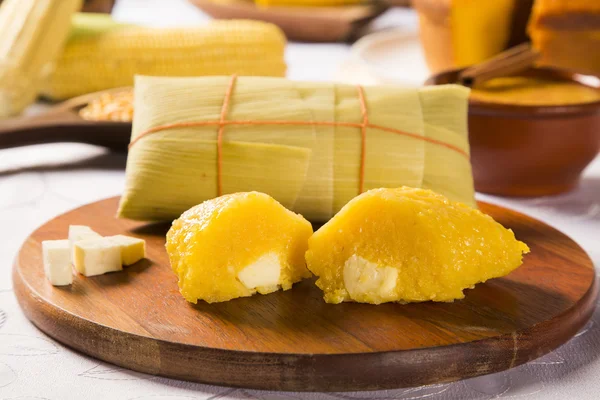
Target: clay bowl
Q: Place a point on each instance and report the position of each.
(528, 151)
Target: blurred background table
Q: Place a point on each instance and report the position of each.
(40, 182)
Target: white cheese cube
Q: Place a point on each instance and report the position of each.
(57, 262)
(97, 256)
(365, 280)
(132, 249)
(263, 274)
(77, 233)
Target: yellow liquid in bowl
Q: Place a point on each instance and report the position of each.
(530, 91)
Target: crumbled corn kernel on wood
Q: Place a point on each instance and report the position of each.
(116, 106)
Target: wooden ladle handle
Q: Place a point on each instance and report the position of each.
(511, 61)
(63, 126)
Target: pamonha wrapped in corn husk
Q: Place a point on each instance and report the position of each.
(414, 137)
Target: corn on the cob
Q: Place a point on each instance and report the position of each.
(86, 25)
(32, 34)
(307, 3)
(111, 59)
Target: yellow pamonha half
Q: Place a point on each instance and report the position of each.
(237, 245)
(409, 245)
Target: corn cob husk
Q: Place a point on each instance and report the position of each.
(311, 169)
(111, 59)
(32, 34)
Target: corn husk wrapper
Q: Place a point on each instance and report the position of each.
(313, 170)
(32, 36)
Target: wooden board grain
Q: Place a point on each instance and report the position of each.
(293, 340)
(62, 123)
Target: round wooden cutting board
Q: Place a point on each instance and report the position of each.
(293, 340)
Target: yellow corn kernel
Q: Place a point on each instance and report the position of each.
(112, 59)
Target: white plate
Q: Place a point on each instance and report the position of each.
(394, 57)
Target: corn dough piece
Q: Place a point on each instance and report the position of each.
(408, 245)
(237, 245)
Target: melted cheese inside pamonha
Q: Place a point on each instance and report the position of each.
(408, 245)
(237, 245)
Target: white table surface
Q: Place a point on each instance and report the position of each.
(40, 182)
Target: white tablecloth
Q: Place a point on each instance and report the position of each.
(37, 183)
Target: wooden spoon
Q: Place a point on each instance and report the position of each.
(511, 61)
(62, 123)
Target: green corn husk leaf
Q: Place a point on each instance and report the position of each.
(196, 159)
(437, 103)
(33, 34)
(316, 197)
(311, 169)
(85, 25)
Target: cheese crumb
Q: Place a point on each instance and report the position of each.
(57, 262)
(77, 233)
(132, 249)
(97, 256)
